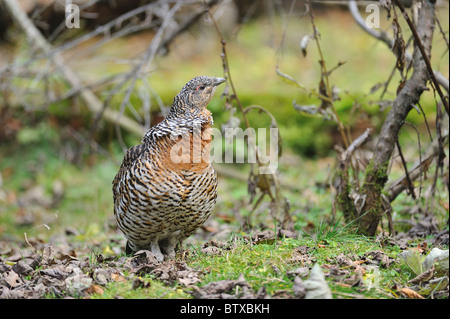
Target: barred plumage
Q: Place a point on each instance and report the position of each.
(166, 187)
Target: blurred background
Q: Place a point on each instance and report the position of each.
(72, 99)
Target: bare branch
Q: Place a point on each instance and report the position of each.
(421, 47)
(380, 35)
(91, 100)
(267, 183)
(442, 80)
(407, 178)
(385, 38)
(357, 143)
(407, 96)
(433, 150)
(189, 21)
(325, 82)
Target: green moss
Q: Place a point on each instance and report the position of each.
(155, 290)
(376, 177)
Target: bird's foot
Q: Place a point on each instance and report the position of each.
(154, 248)
(168, 248)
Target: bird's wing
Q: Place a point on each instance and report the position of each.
(132, 154)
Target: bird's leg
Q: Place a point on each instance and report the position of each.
(168, 246)
(128, 249)
(154, 248)
(170, 251)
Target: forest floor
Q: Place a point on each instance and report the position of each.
(58, 239)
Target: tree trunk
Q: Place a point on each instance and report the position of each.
(376, 175)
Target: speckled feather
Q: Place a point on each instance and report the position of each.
(159, 201)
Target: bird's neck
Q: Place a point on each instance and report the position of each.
(177, 123)
(188, 116)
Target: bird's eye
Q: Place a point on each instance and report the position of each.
(201, 87)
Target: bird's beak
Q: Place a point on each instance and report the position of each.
(218, 81)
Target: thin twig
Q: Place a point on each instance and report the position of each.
(343, 197)
(384, 37)
(50, 51)
(408, 179)
(325, 74)
(357, 143)
(230, 81)
(265, 182)
(188, 22)
(91, 100)
(441, 30)
(424, 55)
(381, 35)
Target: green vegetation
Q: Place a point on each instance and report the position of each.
(270, 263)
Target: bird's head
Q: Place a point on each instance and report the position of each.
(198, 92)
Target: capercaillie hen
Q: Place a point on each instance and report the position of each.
(166, 186)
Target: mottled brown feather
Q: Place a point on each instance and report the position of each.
(160, 201)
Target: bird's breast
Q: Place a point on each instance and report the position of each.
(188, 152)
